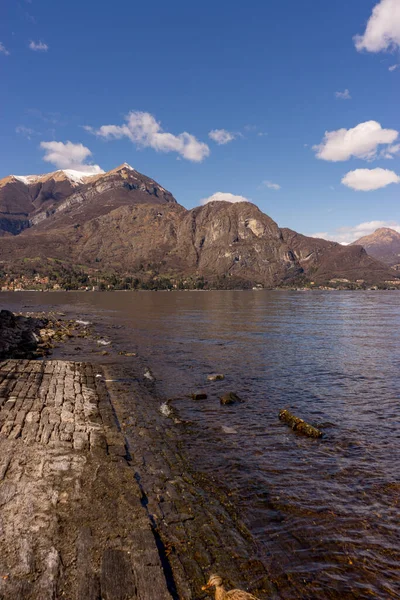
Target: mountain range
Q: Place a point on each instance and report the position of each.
(125, 223)
(384, 245)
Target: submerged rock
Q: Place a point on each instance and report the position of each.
(199, 396)
(216, 377)
(230, 398)
(299, 425)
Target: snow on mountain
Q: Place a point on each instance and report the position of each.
(76, 177)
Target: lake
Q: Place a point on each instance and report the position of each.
(326, 511)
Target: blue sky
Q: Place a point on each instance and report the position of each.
(263, 73)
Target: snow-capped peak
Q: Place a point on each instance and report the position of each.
(26, 179)
(79, 176)
(73, 175)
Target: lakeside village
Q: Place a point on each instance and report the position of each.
(68, 280)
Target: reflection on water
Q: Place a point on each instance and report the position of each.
(326, 512)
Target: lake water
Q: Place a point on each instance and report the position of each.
(326, 511)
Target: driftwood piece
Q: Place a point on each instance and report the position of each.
(299, 425)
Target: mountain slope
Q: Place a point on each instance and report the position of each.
(322, 260)
(383, 244)
(233, 242)
(125, 223)
(29, 200)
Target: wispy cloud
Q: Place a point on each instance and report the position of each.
(3, 49)
(26, 131)
(69, 156)
(347, 235)
(254, 129)
(271, 185)
(361, 141)
(144, 131)
(383, 28)
(393, 67)
(221, 136)
(38, 46)
(343, 95)
(30, 18)
(54, 118)
(224, 197)
(367, 180)
(390, 151)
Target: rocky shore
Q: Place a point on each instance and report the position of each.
(19, 335)
(98, 497)
(72, 520)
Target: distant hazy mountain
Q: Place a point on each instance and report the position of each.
(383, 244)
(122, 222)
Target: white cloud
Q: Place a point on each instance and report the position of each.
(224, 197)
(69, 156)
(347, 235)
(221, 136)
(366, 180)
(393, 67)
(38, 46)
(3, 49)
(361, 141)
(142, 129)
(271, 185)
(383, 28)
(343, 95)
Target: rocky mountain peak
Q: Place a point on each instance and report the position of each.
(383, 244)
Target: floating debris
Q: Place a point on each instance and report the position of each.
(148, 374)
(84, 323)
(229, 430)
(215, 581)
(299, 425)
(103, 343)
(125, 353)
(216, 377)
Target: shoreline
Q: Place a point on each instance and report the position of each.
(191, 512)
(321, 288)
(190, 515)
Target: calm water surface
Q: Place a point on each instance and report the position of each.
(326, 512)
